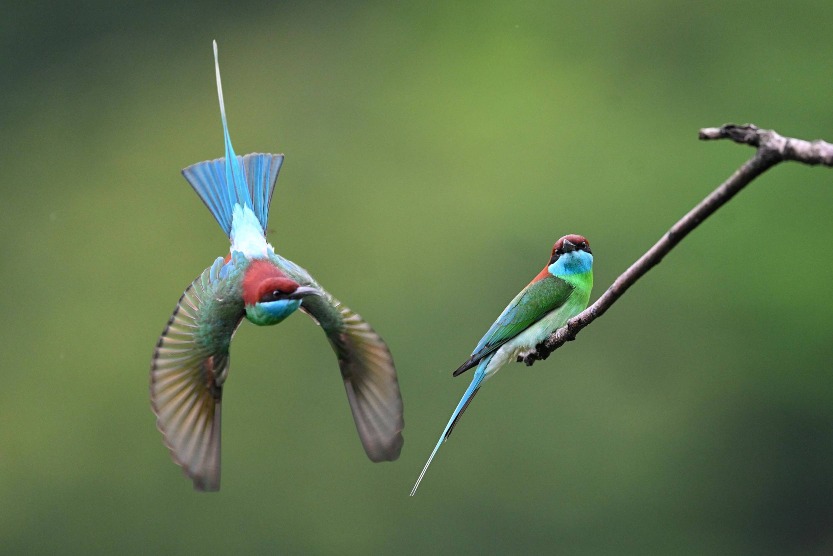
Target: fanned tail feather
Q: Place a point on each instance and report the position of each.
(261, 176)
(468, 396)
(209, 181)
(248, 181)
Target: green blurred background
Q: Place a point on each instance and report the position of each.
(435, 151)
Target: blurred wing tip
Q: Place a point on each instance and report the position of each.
(204, 484)
(391, 452)
(379, 425)
(206, 480)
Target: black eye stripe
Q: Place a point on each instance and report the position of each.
(272, 296)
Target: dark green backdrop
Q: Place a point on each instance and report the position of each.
(434, 152)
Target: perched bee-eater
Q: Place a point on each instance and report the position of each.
(191, 361)
(558, 293)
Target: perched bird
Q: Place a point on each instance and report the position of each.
(558, 293)
(191, 361)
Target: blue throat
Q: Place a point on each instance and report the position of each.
(273, 312)
(575, 262)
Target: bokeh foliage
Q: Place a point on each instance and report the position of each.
(434, 153)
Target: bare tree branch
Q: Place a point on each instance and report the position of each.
(786, 148)
(772, 149)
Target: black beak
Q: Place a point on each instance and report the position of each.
(568, 246)
(302, 292)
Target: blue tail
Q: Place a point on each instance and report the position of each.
(479, 375)
(224, 182)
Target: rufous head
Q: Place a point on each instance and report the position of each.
(569, 244)
(269, 294)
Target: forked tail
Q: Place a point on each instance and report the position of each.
(468, 396)
(247, 181)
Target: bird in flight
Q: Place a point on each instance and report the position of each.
(191, 360)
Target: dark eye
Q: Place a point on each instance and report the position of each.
(271, 296)
(584, 245)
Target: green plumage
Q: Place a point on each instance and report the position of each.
(191, 360)
(527, 308)
(191, 364)
(532, 304)
(559, 292)
(220, 311)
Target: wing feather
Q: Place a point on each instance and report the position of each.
(188, 371)
(369, 376)
(366, 365)
(528, 307)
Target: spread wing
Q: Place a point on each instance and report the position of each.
(189, 367)
(528, 307)
(366, 367)
(369, 375)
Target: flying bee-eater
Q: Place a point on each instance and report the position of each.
(559, 292)
(191, 360)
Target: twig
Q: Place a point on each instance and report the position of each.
(772, 148)
(785, 148)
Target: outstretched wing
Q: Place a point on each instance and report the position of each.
(369, 375)
(366, 367)
(189, 367)
(528, 307)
